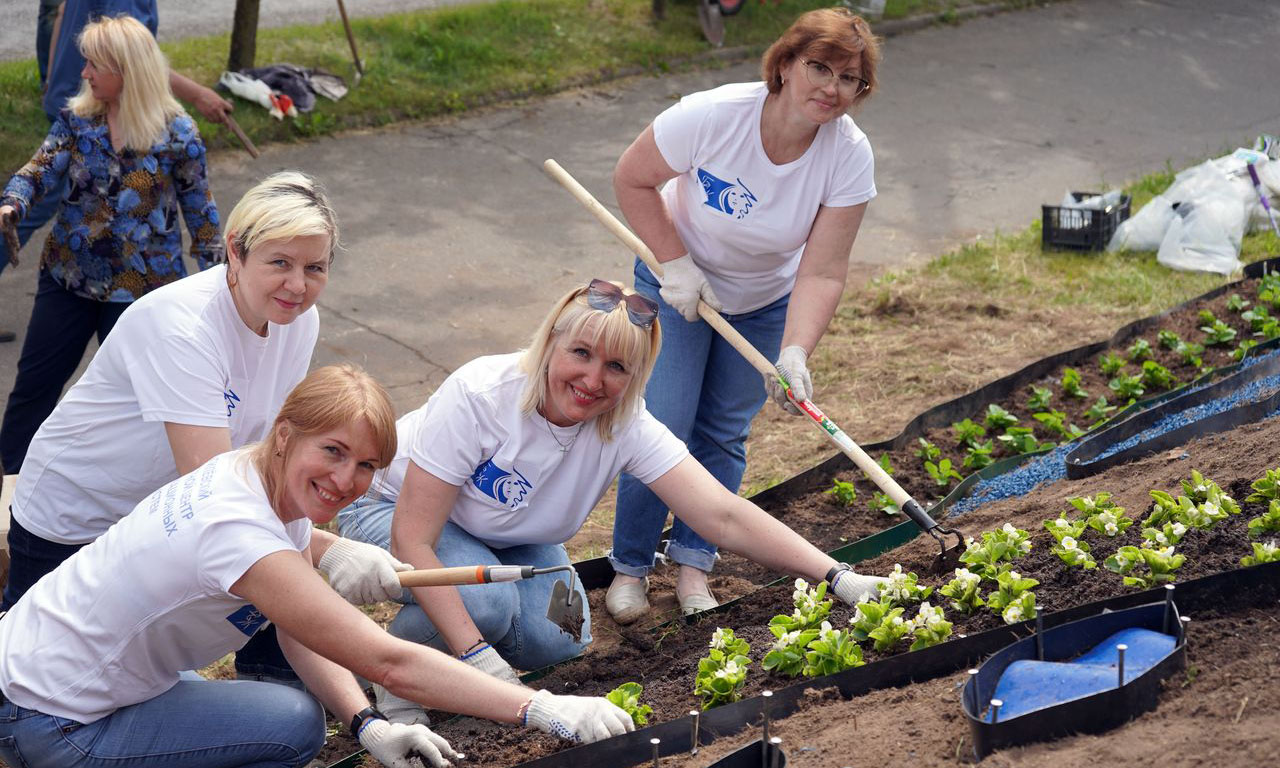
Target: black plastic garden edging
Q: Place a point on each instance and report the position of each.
(757, 754)
(1257, 584)
(1087, 714)
(1083, 460)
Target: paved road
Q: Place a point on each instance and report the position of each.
(188, 18)
(457, 242)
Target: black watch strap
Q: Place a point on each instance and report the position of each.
(364, 716)
(837, 568)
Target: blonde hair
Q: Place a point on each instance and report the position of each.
(832, 34)
(123, 46)
(328, 398)
(613, 330)
(282, 206)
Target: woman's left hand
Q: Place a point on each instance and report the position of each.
(792, 363)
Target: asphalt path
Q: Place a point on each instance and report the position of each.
(457, 243)
(191, 18)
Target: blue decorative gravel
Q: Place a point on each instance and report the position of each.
(1052, 466)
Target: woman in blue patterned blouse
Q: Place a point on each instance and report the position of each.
(133, 159)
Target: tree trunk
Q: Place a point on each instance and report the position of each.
(244, 36)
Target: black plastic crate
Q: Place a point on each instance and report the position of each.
(1085, 229)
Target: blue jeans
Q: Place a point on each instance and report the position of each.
(706, 393)
(195, 724)
(512, 617)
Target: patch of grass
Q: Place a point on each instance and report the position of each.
(441, 61)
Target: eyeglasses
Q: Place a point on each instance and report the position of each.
(604, 296)
(820, 76)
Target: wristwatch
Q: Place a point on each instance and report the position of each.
(836, 569)
(364, 716)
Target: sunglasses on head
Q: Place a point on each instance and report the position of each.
(604, 296)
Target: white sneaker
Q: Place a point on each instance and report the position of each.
(399, 710)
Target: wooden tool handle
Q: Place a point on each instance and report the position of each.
(235, 128)
(758, 361)
(443, 577)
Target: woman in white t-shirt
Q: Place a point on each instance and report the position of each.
(192, 369)
(92, 659)
(506, 460)
(751, 196)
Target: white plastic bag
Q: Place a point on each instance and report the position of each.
(1205, 236)
(1144, 231)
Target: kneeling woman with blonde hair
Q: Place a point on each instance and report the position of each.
(508, 457)
(92, 658)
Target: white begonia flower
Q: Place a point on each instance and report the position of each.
(1179, 529)
(825, 632)
(1210, 509)
(1202, 488)
(1161, 538)
(897, 621)
(1068, 543)
(1014, 575)
(1062, 522)
(731, 668)
(1012, 614)
(1165, 552)
(1111, 529)
(1025, 546)
(1269, 548)
(717, 639)
(802, 585)
(1009, 529)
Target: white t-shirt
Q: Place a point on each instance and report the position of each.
(116, 622)
(517, 486)
(179, 354)
(745, 219)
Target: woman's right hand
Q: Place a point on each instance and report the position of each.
(683, 284)
(578, 719)
(8, 216)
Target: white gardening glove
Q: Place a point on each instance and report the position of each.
(791, 362)
(576, 718)
(852, 587)
(362, 573)
(683, 284)
(396, 745)
(489, 662)
(399, 710)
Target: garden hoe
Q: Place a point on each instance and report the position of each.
(564, 610)
(948, 557)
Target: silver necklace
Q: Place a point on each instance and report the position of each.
(564, 447)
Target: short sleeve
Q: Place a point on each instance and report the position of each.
(447, 443)
(229, 548)
(678, 131)
(656, 450)
(179, 379)
(854, 171)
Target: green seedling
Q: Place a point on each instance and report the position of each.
(1156, 376)
(998, 547)
(979, 456)
(1099, 411)
(1236, 303)
(1111, 364)
(1074, 552)
(963, 591)
(844, 492)
(1205, 317)
(1168, 339)
(998, 418)
(1269, 290)
(868, 615)
(1110, 522)
(890, 631)
(1168, 535)
(1242, 349)
(1190, 353)
(1071, 384)
(885, 464)
(832, 651)
(929, 627)
(1168, 509)
(1013, 599)
(968, 433)
(1262, 553)
(1256, 318)
(1218, 334)
(902, 589)
(927, 450)
(1040, 397)
(942, 472)
(1201, 489)
(1092, 505)
(627, 698)
(1267, 522)
(881, 502)
(786, 656)
(1138, 351)
(811, 607)
(1161, 564)
(1020, 440)
(1267, 487)
(1062, 527)
(1270, 329)
(723, 672)
(1127, 387)
(1055, 422)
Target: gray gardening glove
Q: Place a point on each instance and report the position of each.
(792, 364)
(576, 718)
(852, 587)
(489, 662)
(362, 573)
(396, 745)
(683, 284)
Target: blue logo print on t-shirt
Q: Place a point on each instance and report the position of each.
(232, 398)
(507, 487)
(248, 619)
(732, 198)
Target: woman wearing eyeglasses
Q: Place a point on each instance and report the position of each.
(504, 463)
(751, 196)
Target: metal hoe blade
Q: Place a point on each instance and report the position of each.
(565, 608)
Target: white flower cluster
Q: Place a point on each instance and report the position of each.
(929, 617)
(730, 669)
(787, 640)
(899, 587)
(967, 578)
(1012, 614)
(717, 639)
(805, 599)
(1269, 549)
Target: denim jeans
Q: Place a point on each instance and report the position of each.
(512, 616)
(44, 35)
(195, 724)
(706, 393)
